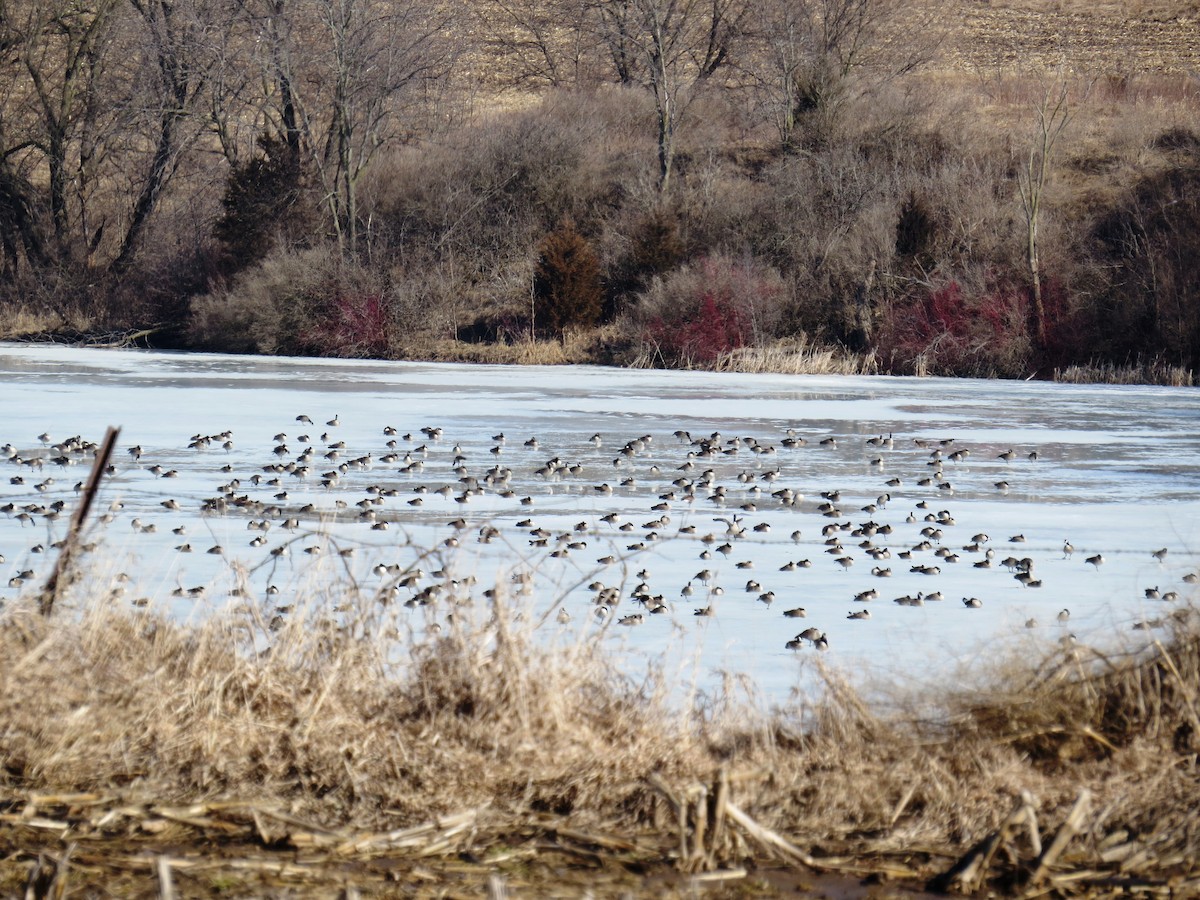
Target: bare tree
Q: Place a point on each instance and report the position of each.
(673, 48)
(51, 111)
(544, 42)
(178, 38)
(1051, 117)
(347, 71)
(809, 55)
(98, 112)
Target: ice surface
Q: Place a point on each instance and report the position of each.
(1117, 473)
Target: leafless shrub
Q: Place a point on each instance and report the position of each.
(299, 302)
(693, 315)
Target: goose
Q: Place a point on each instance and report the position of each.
(860, 614)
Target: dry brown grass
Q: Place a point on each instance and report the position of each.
(576, 347)
(290, 757)
(1148, 372)
(796, 356)
(23, 321)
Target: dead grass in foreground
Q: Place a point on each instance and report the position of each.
(341, 752)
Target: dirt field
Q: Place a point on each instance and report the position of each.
(1103, 39)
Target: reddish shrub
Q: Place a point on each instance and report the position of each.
(356, 326)
(945, 332)
(699, 312)
(716, 327)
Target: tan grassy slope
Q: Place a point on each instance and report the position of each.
(137, 752)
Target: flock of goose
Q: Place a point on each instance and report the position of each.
(749, 510)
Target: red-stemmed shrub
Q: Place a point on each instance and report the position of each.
(945, 331)
(354, 326)
(696, 313)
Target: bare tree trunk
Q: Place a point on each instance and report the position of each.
(1053, 113)
(164, 154)
(182, 74)
(681, 43)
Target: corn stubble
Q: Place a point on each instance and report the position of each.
(348, 748)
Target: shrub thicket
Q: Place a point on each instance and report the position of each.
(696, 313)
(901, 239)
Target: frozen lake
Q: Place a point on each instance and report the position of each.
(1116, 473)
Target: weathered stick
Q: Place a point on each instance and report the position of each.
(970, 871)
(166, 881)
(769, 838)
(721, 797)
(61, 573)
(699, 799)
(1072, 826)
(679, 808)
